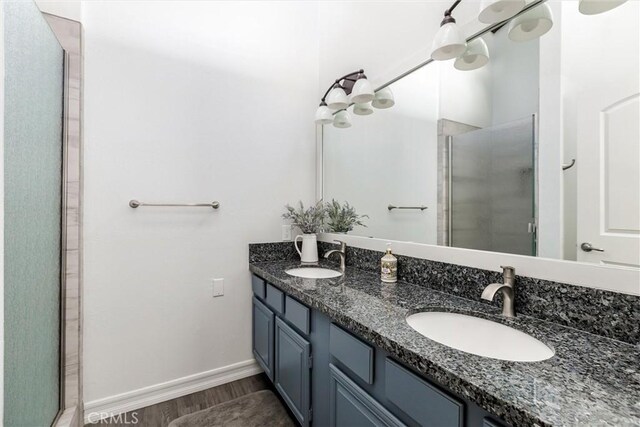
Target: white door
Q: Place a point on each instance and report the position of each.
(608, 141)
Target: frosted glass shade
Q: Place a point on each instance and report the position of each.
(324, 116)
(492, 11)
(362, 91)
(593, 7)
(342, 119)
(449, 43)
(383, 99)
(363, 109)
(337, 99)
(476, 56)
(532, 24)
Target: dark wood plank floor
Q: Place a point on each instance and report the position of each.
(161, 414)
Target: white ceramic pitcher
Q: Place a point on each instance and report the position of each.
(309, 251)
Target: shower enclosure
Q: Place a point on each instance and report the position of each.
(492, 188)
(33, 242)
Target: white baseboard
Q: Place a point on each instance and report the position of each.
(140, 398)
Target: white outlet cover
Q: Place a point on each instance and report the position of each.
(218, 287)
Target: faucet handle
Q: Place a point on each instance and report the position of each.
(341, 243)
(508, 271)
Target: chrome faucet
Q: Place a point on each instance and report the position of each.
(507, 288)
(342, 252)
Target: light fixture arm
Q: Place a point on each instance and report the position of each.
(353, 76)
(447, 13)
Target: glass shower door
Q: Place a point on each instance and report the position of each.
(492, 188)
(33, 108)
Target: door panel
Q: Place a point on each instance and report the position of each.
(293, 370)
(33, 113)
(608, 149)
(263, 338)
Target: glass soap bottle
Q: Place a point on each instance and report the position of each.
(389, 267)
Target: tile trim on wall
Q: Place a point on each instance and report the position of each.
(69, 34)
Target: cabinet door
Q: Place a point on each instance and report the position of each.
(293, 371)
(263, 325)
(350, 406)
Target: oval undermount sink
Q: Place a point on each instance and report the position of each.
(479, 336)
(313, 273)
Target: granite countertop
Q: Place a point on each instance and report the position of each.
(591, 380)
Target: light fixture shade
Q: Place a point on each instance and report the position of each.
(532, 24)
(342, 119)
(323, 115)
(362, 91)
(337, 99)
(593, 7)
(449, 43)
(383, 99)
(492, 11)
(476, 56)
(363, 109)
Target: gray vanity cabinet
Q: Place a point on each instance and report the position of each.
(351, 406)
(263, 342)
(293, 371)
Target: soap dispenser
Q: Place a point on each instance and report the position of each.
(389, 267)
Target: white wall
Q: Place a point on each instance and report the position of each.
(187, 102)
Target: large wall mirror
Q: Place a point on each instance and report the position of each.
(535, 153)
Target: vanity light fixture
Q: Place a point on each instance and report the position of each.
(383, 99)
(476, 56)
(324, 116)
(449, 42)
(337, 98)
(342, 119)
(494, 11)
(352, 88)
(363, 109)
(593, 7)
(531, 24)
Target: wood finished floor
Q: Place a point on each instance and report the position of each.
(161, 414)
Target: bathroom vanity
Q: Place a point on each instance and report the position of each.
(328, 375)
(340, 353)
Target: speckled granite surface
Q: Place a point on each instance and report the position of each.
(592, 380)
(605, 313)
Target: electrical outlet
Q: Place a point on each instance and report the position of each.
(218, 287)
(286, 232)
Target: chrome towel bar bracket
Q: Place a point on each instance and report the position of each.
(136, 204)
(391, 207)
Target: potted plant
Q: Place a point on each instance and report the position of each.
(310, 221)
(343, 218)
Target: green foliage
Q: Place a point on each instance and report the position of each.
(342, 218)
(310, 220)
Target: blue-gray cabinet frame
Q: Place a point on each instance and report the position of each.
(262, 337)
(293, 371)
(350, 406)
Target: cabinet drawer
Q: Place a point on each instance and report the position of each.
(351, 406)
(275, 298)
(298, 314)
(426, 404)
(258, 286)
(352, 353)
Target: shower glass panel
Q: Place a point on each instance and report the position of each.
(492, 188)
(32, 225)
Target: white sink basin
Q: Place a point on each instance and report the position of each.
(313, 273)
(479, 336)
